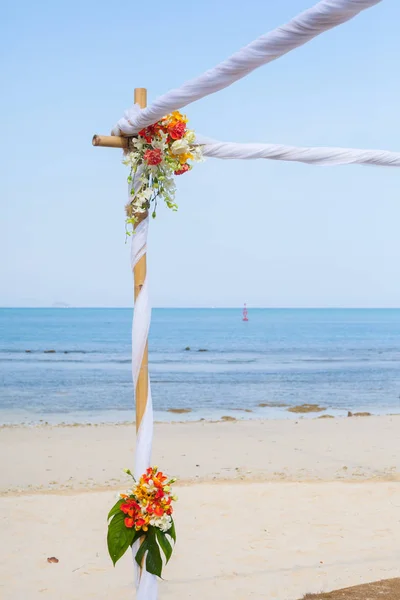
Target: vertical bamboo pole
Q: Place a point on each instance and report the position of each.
(139, 275)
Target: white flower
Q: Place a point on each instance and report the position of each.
(190, 136)
(130, 159)
(149, 486)
(169, 184)
(147, 193)
(160, 143)
(164, 523)
(180, 147)
(139, 209)
(138, 144)
(197, 154)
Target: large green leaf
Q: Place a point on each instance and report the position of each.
(138, 534)
(141, 552)
(171, 531)
(115, 509)
(153, 558)
(164, 544)
(119, 537)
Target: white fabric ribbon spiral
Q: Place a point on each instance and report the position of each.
(146, 583)
(312, 22)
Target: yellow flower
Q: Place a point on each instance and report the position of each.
(177, 116)
(185, 157)
(174, 118)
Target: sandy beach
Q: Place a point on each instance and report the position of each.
(267, 509)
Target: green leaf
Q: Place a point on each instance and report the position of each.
(171, 531)
(138, 535)
(141, 552)
(115, 509)
(153, 559)
(164, 544)
(119, 537)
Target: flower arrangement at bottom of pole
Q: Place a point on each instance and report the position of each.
(144, 513)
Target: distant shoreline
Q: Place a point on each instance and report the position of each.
(126, 418)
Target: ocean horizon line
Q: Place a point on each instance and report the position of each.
(239, 307)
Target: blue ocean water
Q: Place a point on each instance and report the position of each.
(347, 359)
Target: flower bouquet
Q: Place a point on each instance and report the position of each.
(159, 152)
(144, 513)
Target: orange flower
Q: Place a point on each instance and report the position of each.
(177, 130)
(177, 116)
(141, 524)
(128, 523)
(159, 479)
(155, 509)
(130, 507)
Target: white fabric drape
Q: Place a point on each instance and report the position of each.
(146, 583)
(311, 156)
(321, 17)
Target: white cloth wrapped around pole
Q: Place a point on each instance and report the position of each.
(311, 156)
(323, 16)
(146, 583)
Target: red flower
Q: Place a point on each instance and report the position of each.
(129, 522)
(155, 509)
(159, 494)
(177, 131)
(139, 523)
(130, 507)
(153, 157)
(150, 132)
(145, 134)
(184, 169)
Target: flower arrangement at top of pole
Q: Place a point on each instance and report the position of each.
(159, 152)
(144, 513)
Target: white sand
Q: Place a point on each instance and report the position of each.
(65, 458)
(271, 538)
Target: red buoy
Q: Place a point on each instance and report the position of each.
(245, 313)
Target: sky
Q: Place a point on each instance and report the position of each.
(271, 234)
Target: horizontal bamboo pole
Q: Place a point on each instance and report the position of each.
(110, 141)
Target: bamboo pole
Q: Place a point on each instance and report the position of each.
(110, 141)
(139, 275)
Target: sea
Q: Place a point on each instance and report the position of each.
(72, 365)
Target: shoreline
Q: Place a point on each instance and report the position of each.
(69, 458)
(185, 415)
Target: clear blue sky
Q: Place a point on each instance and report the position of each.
(271, 234)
